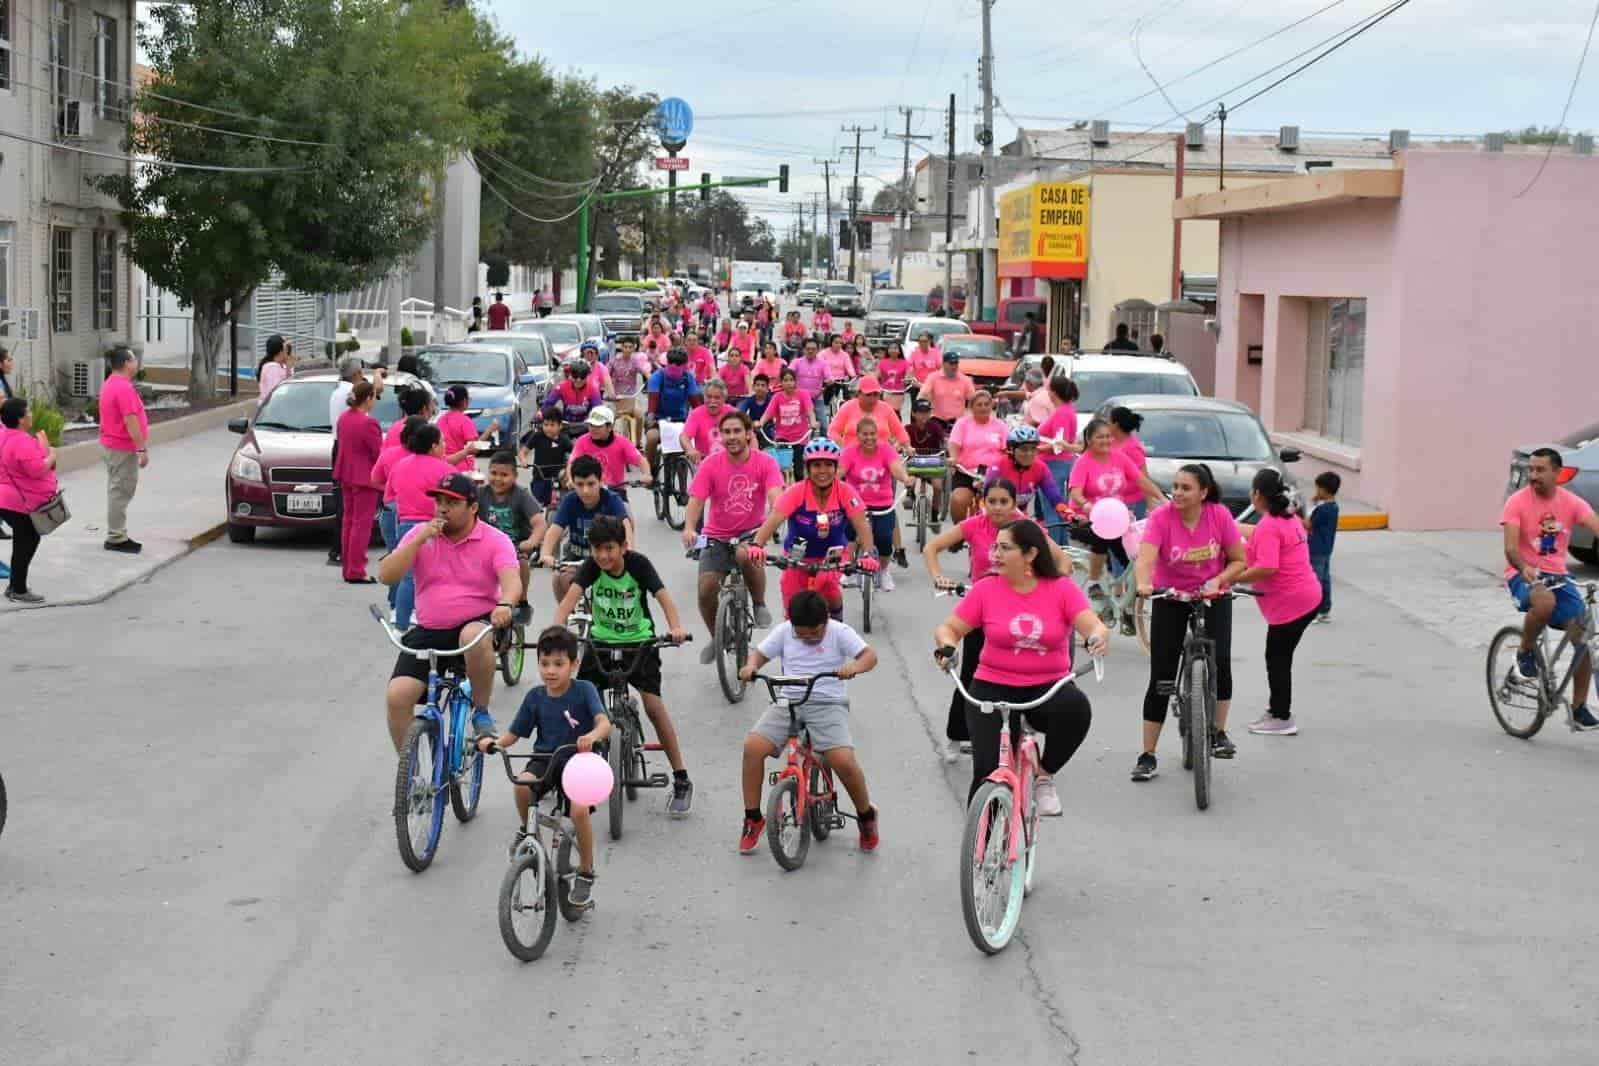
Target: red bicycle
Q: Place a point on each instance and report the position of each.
(804, 800)
(834, 562)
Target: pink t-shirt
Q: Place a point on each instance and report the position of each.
(735, 493)
(791, 415)
(409, 481)
(1294, 589)
(457, 581)
(980, 443)
(736, 376)
(26, 480)
(845, 427)
(1187, 558)
(809, 374)
(458, 431)
(1039, 406)
(822, 322)
(1544, 527)
(702, 429)
(891, 373)
(601, 376)
(743, 342)
(628, 375)
(949, 396)
(614, 457)
(840, 365)
(118, 399)
(702, 363)
(391, 436)
(388, 459)
(1102, 478)
(925, 363)
(980, 533)
(1027, 639)
(1133, 448)
(772, 368)
(1062, 423)
(271, 374)
(870, 475)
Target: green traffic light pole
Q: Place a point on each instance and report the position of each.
(781, 177)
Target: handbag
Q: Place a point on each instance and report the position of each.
(48, 516)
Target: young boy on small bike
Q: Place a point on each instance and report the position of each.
(562, 711)
(809, 643)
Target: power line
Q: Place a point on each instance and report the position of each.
(535, 193)
(527, 215)
(151, 162)
(1565, 111)
(1257, 94)
(530, 176)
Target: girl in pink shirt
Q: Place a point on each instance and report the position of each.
(1028, 612)
(865, 361)
(460, 435)
(977, 440)
(770, 363)
(893, 371)
(873, 469)
(1124, 425)
(1102, 472)
(791, 411)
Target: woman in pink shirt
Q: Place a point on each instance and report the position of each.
(1101, 472)
(1278, 565)
(27, 481)
(411, 478)
(821, 323)
(360, 444)
(925, 359)
(1028, 612)
(865, 358)
(735, 374)
(872, 469)
(1057, 434)
(1124, 426)
(277, 365)
(744, 341)
(460, 435)
(770, 363)
(838, 370)
(1188, 544)
(978, 440)
(893, 372)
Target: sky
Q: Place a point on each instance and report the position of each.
(775, 83)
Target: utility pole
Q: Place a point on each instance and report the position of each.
(815, 233)
(904, 194)
(827, 185)
(799, 254)
(985, 137)
(436, 323)
(855, 190)
(949, 216)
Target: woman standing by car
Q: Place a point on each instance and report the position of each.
(27, 481)
(360, 443)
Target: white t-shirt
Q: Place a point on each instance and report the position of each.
(339, 403)
(839, 644)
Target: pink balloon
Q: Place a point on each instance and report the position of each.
(1133, 537)
(587, 779)
(1109, 518)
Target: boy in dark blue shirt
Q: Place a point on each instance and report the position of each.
(1322, 526)
(563, 711)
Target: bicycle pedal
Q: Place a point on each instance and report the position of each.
(659, 780)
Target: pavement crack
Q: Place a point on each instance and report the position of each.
(1054, 1014)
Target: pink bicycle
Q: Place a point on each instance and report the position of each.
(1002, 820)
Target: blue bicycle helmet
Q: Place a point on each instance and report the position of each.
(590, 345)
(1020, 435)
(824, 449)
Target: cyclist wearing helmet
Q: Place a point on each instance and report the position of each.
(590, 351)
(575, 396)
(1020, 466)
(817, 510)
(673, 391)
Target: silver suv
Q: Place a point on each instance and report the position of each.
(890, 314)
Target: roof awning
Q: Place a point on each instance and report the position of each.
(1326, 188)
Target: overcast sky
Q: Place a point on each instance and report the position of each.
(774, 82)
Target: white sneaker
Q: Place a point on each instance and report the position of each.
(885, 581)
(1046, 797)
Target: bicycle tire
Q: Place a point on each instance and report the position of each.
(410, 802)
(658, 490)
(564, 872)
(615, 756)
(1199, 717)
(515, 901)
(673, 495)
(2, 804)
(867, 583)
(820, 814)
(1500, 683)
(922, 507)
(732, 647)
(783, 804)
(984, 859)
(513, 655)
(632, 753)
(467, 789)
(1142, 622)
(1030, 836)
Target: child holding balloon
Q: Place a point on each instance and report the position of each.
(566, 713)
(1099, 477)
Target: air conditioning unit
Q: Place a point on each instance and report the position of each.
(1288, 139)
(1398, 140)
(19, 325)
(77, 119)
(1493, 142)
(1195, 137)
(1099, 132)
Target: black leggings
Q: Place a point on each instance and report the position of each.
(1168, 629)
(971, 649)
(1063, 720)
(1100, 546)
(24, 542)
(1281, 640)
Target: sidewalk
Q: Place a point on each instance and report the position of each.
(179, 506)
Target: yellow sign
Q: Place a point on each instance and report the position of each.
(1043, 231)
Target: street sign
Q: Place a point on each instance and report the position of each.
(674, 121)
(671, 162)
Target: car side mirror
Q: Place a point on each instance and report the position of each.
(238, 425)
(525, 379)
(1290, 455)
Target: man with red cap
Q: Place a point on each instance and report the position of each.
(868, 404)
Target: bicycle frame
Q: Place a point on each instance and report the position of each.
(460, 703)
(800, 759)
(1552, 691)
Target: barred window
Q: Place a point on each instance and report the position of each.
(61, 281)
(105, 279)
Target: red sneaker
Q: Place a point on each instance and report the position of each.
(750, 839)
(868, 832)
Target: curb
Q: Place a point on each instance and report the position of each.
(1348, 523)
(199, 540)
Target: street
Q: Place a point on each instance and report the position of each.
(200, 866)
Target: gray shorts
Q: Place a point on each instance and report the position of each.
(828, 724)
(716, 557)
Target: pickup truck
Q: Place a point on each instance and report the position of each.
(890, 313)
(1012, 317)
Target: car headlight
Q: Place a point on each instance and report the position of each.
(245, 468)
(499, 412)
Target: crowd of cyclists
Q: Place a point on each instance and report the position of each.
(804, 445)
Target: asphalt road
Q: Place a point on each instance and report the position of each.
(200, 866)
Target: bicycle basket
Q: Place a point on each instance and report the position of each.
(928, 466)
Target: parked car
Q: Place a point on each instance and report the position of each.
(1100, 377)
(564, 333)
(1223, 435)
(891, 312)
(809, 292)
(1579, 454)
(502, 388)
(621, 312)
(984, 359)
(533, 350)
(938, 327)
(843, 298)
(281, 474)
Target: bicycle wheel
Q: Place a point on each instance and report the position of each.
(991, 890)
(868, 582)
(2, 805)
(785, 831)
(1030, 834)
(1198, 714)
(418, 806)
(820, 814)
(732, 647)
(1141, 622)
(565, 870)
(676, 492)
(1518, 704)
(528, 904)
(615, 757)
(923, 506)
(658, 490)
(513, 654)
(467, 788)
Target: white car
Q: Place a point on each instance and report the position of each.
(1100, 377)
(938, 327)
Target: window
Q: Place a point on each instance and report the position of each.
(107, 91)
(61, 281)
(105, 279)
(7, 239)
(5, 44)
(1335, 370)
(61, 63)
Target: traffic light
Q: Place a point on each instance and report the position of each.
(705, 186)
(782, 178)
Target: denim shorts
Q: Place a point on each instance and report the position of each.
(1568, 601)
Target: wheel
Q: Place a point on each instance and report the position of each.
(785, 832)
(1030, 835)
(528, 904)
(565, 870)
(1178, 708)
(868, 582)
(418, 804)
(732, 647)
(1199, 719)
(658, 490)
(1141, 622)
(239, 534)
(922, 509)
(467, 789)
(2, 805)
(991, 890)
(513, 654)
(820, 814)
(1518, 704)
(633, 768)
(675, 492)
(616, 758)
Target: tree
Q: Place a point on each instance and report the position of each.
(626, 138)
(1542, 135)
(892, 198)
(356, 107)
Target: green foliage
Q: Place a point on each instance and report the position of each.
(1538, 135)
(406, 340)
(623, 286)
(499, 272)
(344, 325)
(48, 417)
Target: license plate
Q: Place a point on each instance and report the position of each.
(305, 503)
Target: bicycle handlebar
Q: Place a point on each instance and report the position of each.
(952, 661)
(808, 682)
(430, 654)
(628, 653)
(1179, 596)
(505, 757)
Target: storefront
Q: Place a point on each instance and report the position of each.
(1043, 252)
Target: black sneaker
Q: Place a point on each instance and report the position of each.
(1220, 746)
(900, 560)
(682, 797)
(582, 894)
(1145, 768)
(128, 546)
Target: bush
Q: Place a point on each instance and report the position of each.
(48, 417)
(351, 345)
(406, 340)
(624, 286)
(344, 325)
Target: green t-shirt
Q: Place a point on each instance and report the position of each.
(621, 604)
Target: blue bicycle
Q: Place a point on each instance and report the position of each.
(432, 765)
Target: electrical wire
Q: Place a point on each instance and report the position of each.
(1565, 112)
(499, 174)
(530, 176)
(527, 215)
(1373, 21)
(152, 162)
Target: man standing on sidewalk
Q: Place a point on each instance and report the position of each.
(125, 446)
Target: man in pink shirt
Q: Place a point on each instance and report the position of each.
(867, 405)
(949, 390)
(466, 576)
(124, 446)
(701, 435)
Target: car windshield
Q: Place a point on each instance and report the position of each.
(529, 346)
(456, 367)
(618, 303)
(937, 329)
(562, 334)
(298, 406)
(1094, 387)
(842, 289)
(1203, 435)
(975, 347)
(899, 301)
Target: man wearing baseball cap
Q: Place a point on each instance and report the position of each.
(615, 453)
(949, 390)
(868, 404)
(467, 578)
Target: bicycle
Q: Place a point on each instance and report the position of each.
(551, 884)
(627, 745)
(432, 765)
(804, 800)
(735, 619)
(1193, 693)
(784, 452)
(868, 581)
(671, 476)
(2, 804)
(1118, 605)
(991, 891)
(832, 562)
(927, 469)
(1523, 704)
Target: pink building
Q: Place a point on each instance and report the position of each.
(1407, 328)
